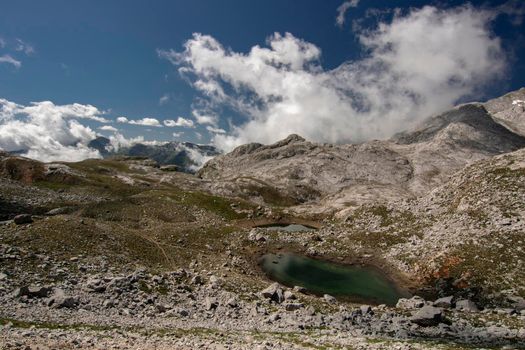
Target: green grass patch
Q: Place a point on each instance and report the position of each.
(54, 326)
(221, 206)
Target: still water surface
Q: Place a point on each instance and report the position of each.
(353, 282)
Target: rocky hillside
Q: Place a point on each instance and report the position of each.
(121, 253)
(509, 109)
(125, 255)
(463, 236)
(329, 178)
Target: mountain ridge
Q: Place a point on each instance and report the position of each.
(409, 164)
(187, 156)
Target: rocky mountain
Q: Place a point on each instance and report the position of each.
(119, 253)
(101, 144)
(328, 178)
(509, 109)
(186, 156)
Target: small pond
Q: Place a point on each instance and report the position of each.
(288, 227)
(352, 282)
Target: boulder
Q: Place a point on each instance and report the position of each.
(33, 291)
(68, 302)
(39, 292)
(310, 310)
(183, 312)
(517, 302)
(23, 219)
(161, 308)
(60, 211)
(505, 311)
(108, 303)
(232, 302)
(299, 289)
(274, 317)
(95, 285)
(210, 304)
(415, 302)
(466, 305)
(215, 282)
(427, 316)
(293, 306)
(445, 302)
(196, 279)
(59, 299)
(269, 291)
(274, 292)
(288, 295)
(366, 309)
(329, 299)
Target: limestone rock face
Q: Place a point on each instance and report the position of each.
(509, 110)
(328, 178)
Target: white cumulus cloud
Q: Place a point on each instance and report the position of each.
(143, 121)
(118, 141)
(204, 118)
(146, 122)
(416, 64)
(187, 123)
(108, 128)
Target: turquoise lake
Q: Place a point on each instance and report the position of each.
(351, 282)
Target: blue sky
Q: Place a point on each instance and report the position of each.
(106, 54)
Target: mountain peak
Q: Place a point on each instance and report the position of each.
(292, 138)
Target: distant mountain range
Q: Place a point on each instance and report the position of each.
(187, 156)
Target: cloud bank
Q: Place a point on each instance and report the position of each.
(416, 64)
(48, 132)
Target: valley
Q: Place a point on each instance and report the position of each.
(120, 253)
